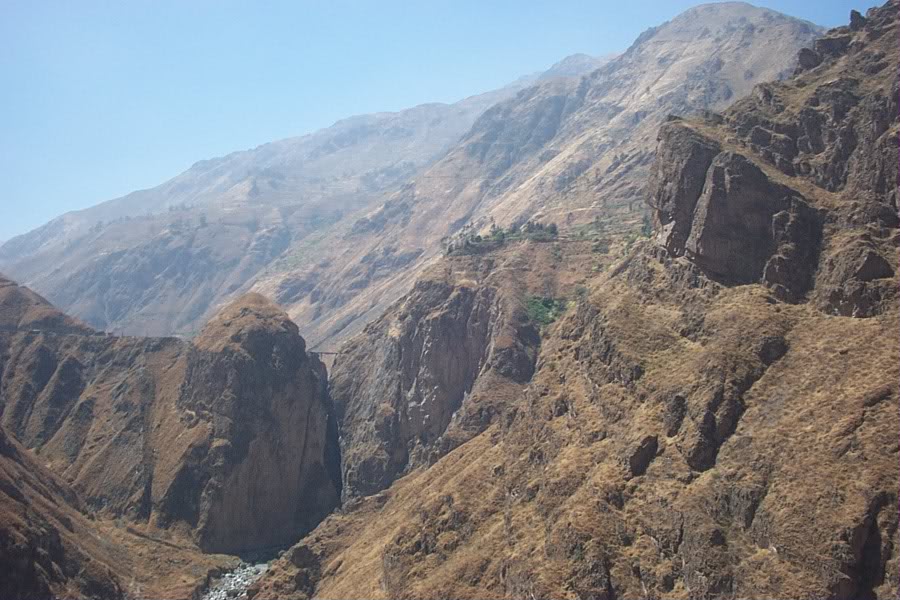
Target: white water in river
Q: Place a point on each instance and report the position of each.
(233, 584)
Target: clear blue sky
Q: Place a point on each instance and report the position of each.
(102, 98)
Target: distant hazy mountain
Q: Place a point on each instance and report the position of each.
(565, 150)
(337, 224)
(576, 65)
(156, 260)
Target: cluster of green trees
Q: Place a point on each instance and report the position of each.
(533, 230)
(469, 242)
(543, 310)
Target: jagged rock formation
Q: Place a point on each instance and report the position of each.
(827, 138)
(706, 423)
(721, 211)
(230, 440)
(426, 361)
(268, 467)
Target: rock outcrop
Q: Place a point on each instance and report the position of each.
(725, 214)
(439, 366)
(398, 387)
(746, 195)
(230, 440)
(268, 469)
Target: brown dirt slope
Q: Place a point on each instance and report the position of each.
(718, 418)
(47, 546)
(52, 546)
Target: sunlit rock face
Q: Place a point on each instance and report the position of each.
(230, 439)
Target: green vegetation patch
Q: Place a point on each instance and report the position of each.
(472, 243)
(544, 310)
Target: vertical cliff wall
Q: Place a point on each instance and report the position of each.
(230, 440)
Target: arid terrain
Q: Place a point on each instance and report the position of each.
(163, 261)
(623, 329)
(673, 440)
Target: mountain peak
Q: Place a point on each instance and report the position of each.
(576, 65)
(717, 19)
(245, 324)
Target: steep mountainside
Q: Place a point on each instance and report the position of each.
(716, 417)
(336, 226)
(567, 150)
(230, 441)
(46, 545)
(52, 546)
(441, 364)
(163, 260)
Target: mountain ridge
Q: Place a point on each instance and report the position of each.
(596, 350)
(565, 150)
(253, 202)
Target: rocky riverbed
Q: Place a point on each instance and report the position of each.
(234, 584)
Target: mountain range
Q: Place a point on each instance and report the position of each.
(158, 261)
(316, 221)
(626, 328)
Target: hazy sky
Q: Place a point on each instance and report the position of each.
(102, 98)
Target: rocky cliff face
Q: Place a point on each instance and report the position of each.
(230, 440)
(724, 213)
(747, 194)
(439, 366)
(268, 471)
(399, 386)
(705, 423)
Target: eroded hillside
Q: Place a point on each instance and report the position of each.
(707, 410)
(446, 360)
(53, 546)
(163, 261)
(715, 418)
(336, 225)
